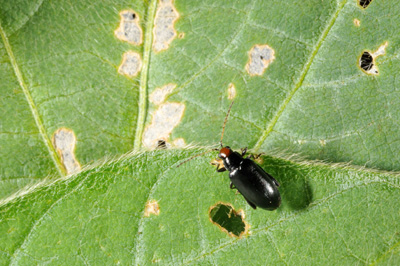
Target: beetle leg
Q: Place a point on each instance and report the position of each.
(222, 169)
(219, 164)
(243, 151)
(254, 157)
(275, 182)
(232, 186)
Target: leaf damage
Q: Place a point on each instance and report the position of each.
(260, 57)
(364, 3)
(367, 60)
(228, 220)
(164, 32)
(129, 29)
(152, 208)
(164, 120)
(231, 91)
(64, 141)
(159, 94)
(131, 64)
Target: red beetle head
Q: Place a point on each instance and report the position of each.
(224, 152)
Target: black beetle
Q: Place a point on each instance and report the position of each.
(258, 187)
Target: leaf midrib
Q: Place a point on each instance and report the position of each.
(270, 126)
(142, 105)
(32, 106)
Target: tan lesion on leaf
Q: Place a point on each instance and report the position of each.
(260, 57)
(179, 142)
(151, 207)
(356, 22)
(131, 64)
(64, 141)
(159, 94)
(322, 142)
(232, 212)
(231, 91)
(164, 120)
(164, 32)
(129, 29)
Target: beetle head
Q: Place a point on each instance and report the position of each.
(224, 152)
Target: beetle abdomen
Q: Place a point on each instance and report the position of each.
(256, 185)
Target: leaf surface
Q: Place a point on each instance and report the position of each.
(59, 69)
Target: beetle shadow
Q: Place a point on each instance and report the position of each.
(295, 188)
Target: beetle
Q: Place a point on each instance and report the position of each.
(257, 187)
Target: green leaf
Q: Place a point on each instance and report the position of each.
(98, 216)
(61, 85)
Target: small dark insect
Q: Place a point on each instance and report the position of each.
(258, 187)
(161, 144)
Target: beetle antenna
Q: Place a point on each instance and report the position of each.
(226, 120)
(197, 155)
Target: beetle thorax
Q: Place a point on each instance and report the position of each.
(231, 159)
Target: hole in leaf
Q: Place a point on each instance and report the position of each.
(228, 220)
(366, 61)
(364, 3)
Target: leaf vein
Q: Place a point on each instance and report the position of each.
(142, 105)
(32, 106)
(270, 126)
(218, 56)
(138, 237)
